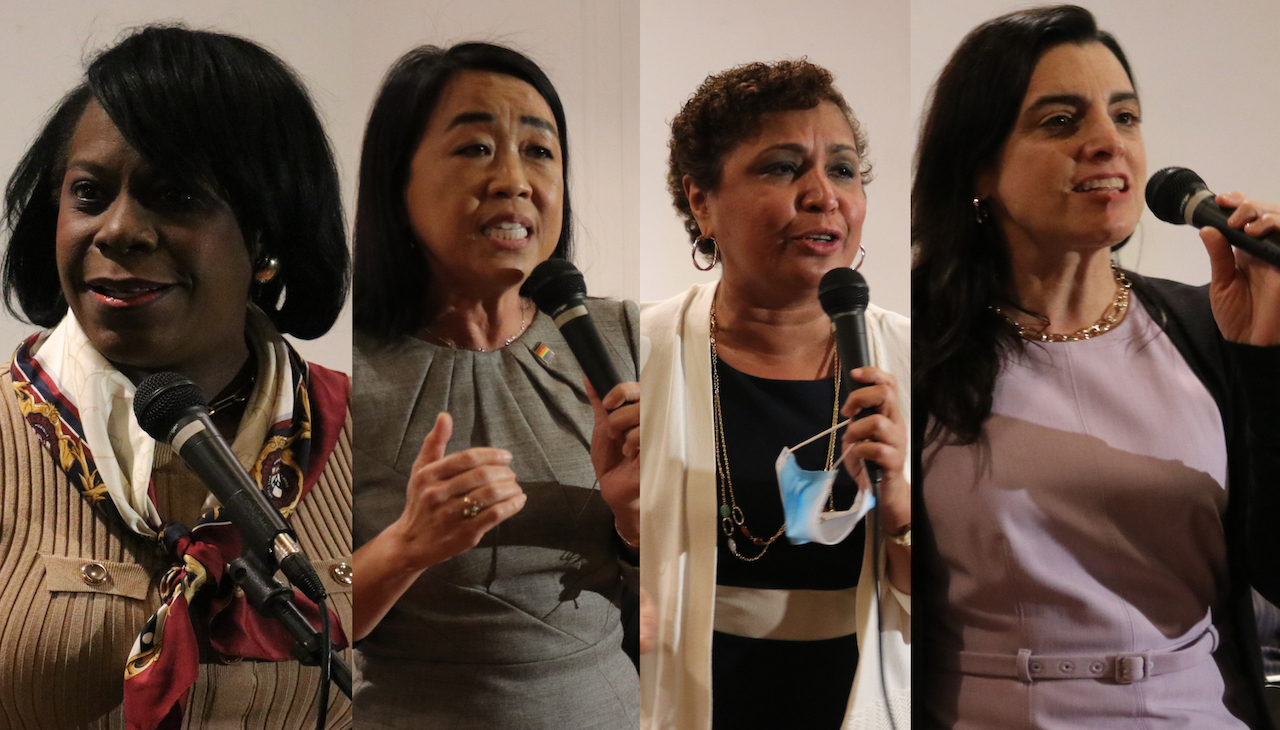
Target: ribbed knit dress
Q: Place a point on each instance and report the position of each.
(64, 639)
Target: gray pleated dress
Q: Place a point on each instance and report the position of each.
(522, 631)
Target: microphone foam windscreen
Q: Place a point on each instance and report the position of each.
(843, 290)
(160, 401)
(552, 283)
(1168, 189)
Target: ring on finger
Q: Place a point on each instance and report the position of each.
(471, 509)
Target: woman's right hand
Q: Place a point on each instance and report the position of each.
(442, 489)
(434, 525)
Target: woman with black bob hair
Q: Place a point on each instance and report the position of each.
(1090, 436)
(178, 211)
(390, 272)
(482, 601)
(255, 141)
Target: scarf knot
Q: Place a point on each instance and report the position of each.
(79, 407)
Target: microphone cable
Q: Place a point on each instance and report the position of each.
(326, 667)
(878, 581)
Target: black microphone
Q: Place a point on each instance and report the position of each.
(844, 296)
(1178, 195)
(557, 287)
(172, 410)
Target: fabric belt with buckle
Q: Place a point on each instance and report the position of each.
(1122, 668)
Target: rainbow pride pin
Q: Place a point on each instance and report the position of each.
(543, 353)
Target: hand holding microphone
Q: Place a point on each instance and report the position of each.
(560, 292)
(1245, 287)
(615, 454)
(878, 434)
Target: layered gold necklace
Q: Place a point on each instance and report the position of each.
(732, 517)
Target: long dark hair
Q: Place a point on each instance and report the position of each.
(391, 271)
(226, 115)
(962, 265)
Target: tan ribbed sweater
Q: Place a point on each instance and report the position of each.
(64, 640)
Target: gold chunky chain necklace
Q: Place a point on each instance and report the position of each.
(731, 515)
(1110, 318)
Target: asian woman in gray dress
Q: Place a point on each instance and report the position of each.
(487, 570)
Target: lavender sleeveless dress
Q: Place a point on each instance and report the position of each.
(1087, 521)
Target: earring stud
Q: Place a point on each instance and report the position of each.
(267, 270)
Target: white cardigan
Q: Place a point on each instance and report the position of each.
(678, 506)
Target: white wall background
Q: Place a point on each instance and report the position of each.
(624, 68)
(864, 43)
(1206, 76)
(342, 49)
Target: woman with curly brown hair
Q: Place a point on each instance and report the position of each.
(767, 167)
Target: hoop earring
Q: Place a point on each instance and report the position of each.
(861, 259)
(267, 270)
(980, 211)
(715, 253)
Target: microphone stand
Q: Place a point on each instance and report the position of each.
(273, 598)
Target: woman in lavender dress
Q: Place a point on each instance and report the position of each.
(1086, 461)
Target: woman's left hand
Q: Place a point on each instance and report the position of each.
(881, 437)
(615, 453)
(1245, 291)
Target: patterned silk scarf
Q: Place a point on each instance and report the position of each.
(81, 409)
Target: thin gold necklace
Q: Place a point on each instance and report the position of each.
(1110, 318)
(524, 325)
(731, 515)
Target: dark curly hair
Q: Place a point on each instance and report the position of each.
(226, 115)
(962, 266)
(728, 109)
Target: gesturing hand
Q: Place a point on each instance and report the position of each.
(615, 454)
(1244, 292)
(452, 501)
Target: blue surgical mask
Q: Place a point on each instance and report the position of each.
(804, 497)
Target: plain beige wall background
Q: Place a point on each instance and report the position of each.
(1206, 76)
(342, 48)
(590, 50)
(864, 43)
(623, 68)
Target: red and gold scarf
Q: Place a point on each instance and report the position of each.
(71, 396)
